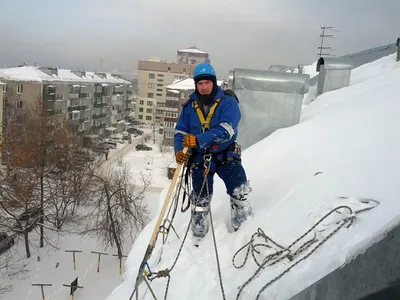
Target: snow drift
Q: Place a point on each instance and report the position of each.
(350, 137)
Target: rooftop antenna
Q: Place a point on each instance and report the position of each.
(323, 35)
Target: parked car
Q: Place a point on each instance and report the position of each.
(6, 241)
(116, 140)
(84, 155)
(133, 130)
(143, 147)
(112, 144)
(29, 219)
(126, 135)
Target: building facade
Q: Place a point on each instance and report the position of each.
(88, 102)
(153, 77)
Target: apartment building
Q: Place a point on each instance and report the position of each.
(192, 56)
(89, 102)
(177, 94)
(154, 75)
(2, 91)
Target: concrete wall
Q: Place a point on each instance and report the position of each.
(374, 275)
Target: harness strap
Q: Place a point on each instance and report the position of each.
(205, 122)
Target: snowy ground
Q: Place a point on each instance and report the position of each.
(351, 136)
(97, 285)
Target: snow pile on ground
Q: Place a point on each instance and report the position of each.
(55, 266)
(347, 145)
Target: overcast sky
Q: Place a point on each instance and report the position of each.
(236, 33)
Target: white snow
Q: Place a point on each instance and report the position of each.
(186, 84)
(193, 50)
(97, 285)
(350, 135)
(34, 74)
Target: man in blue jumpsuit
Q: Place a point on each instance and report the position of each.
(208, 125)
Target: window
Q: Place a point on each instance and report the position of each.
(184, 70)
(152, 75)
(150, 85)
(141, 102)
(59, 97)
(149, 103)
(19, 104)
(159, 84)
(140, 109)
(160, 75)
(148, 118)
(75, 115)
(81, 126)
(171, 115)
(183, 95)
(149, 110)
(179, 77)
(159, 90)
(4, 88)
(140, 117)
(20, 89)
(160, 80)
(150, 95)
(169, 135)
(169, 68)
(169, 124)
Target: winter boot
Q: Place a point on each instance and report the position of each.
(240, 205)
(200, 220)
(200, 215)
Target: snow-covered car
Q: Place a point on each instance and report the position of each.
(6, 241)
(28, 220)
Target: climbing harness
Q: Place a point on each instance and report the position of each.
(205, 123)
(289, 253)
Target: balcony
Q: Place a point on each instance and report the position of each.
(76, 107)
(49, 97)
(99, 116)
(71, 122)
(99, 104)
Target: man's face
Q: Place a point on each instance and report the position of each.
(205, 87)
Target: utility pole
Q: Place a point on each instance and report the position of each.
(323, 35)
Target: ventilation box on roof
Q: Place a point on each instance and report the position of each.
(334, 73)
(268, 101)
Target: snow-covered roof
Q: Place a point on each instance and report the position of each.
(34, 74)
(186, 84)
(193, 50)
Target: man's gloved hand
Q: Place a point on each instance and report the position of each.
(189, 140)
(181, 157)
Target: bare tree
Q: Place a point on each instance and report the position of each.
(41, 145)
(69, 186)
(116, 209)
